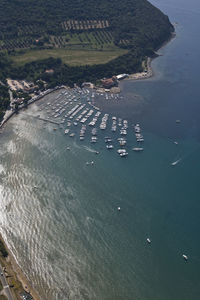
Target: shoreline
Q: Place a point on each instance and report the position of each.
(13, 268)
(16, 278)
(149, 73)
(143, 75)
(9, 113)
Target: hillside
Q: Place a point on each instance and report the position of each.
(128, 30)
(129, 23)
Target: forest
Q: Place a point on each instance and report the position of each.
(134, 25)
(4, 101)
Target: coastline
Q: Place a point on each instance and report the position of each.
(15, 276)
(143, 75)
(149, 70)
(13, 268)
(9, 113)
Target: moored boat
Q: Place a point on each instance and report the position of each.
(138, 149)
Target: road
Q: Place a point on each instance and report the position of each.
(5, 285)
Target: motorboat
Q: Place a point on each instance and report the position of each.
(185, 257)
(138, 149)
(66, 131)
(121, 151)
(175, 162)
(109, 147)
(123, 154)
(93, 139)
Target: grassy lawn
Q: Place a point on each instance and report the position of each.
(72, 57)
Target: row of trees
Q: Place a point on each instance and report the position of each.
(4, 101)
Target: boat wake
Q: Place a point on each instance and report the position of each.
(89, 149)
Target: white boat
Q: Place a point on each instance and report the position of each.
(185, 257)
(72, 135)
(109, 146)
(121, 151)
(94, 131)
(123, 154)
(108, 140)
(138, 149)
(175, 162)
(122, 143)
(148, 240)
(66, 131)
(119, 208)
(93, 139)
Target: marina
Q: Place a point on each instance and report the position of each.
(75, 113)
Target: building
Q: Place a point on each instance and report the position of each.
(109, 82)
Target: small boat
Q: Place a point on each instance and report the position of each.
(175, 162)
(119, 208)
(138, 149)
(175, 142)
(66, 131)
(185, 257)
(123, 154)
(122, 143)
(109, 147)
(148, 240)
(72, 134)
(68, 148)
(121, 151)
(93, 139)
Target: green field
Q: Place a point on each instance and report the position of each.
(68, 56)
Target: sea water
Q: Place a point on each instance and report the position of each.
(59, 215)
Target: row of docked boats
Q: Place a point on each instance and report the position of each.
(78, 113)
(95, 119)
(138, 134)
(104, 120)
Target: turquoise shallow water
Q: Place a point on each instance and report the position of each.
(59, 216)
